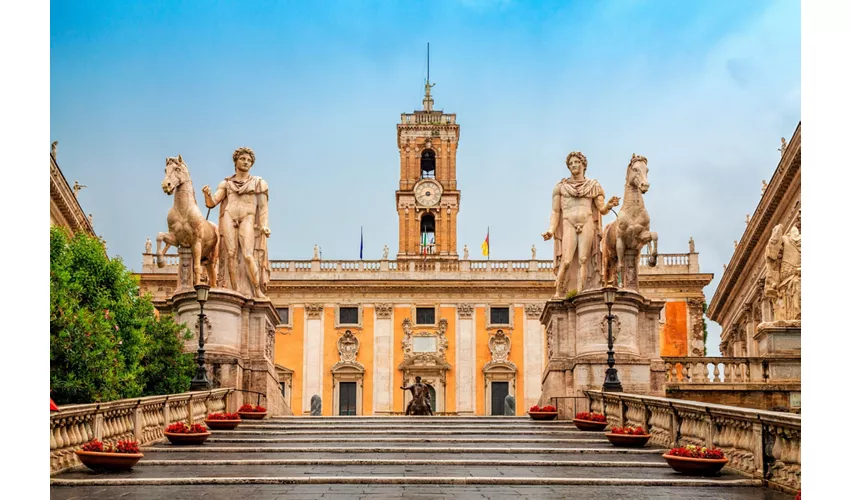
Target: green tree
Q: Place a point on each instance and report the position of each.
(106, 341)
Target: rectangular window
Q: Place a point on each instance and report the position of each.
(348, 316)
(283, 312)
(425, 316)
(500, 316)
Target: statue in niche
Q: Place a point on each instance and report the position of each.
(783, 277)
(244, 226)
(421, 402)
(575, 222)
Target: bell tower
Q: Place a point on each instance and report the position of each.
(427, 199)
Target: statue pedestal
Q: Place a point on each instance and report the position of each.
(778, 338)
(239, 338)
(577, 338)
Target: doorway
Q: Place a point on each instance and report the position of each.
(499, 391)
(348, 398)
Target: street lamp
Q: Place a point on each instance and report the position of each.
(201, 382)
(612, 383)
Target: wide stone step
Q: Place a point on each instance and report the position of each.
(490, 462)
(422, 491)
(420, 448)
(603, 455)
(340, 426)
(395, 432)
(478, 472)
(408, 440)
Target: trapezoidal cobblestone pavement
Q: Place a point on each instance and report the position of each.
(403, 457)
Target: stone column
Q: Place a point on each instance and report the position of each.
(534, 356)
(313, 353)
(383, 360)
(465, 359)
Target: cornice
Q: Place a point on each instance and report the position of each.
(788, 168)
(62, 194)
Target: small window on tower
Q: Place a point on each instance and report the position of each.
(500, 316)
(348, 316)
(425, 316)
(428, 164)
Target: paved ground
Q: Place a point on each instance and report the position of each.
(450, 457)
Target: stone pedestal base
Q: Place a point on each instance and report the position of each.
(778, 338)
(239, 336)
(577, 338)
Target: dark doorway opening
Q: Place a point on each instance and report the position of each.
(348, 398)
(497, 397)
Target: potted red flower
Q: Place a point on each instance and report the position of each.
(695, 460)
(121, 456)
(222, 421)
(180, 433)
(546, 413)
(628, 436)
(589, 421)
(252, 412)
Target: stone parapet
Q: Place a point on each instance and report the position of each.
(731, 370)
(760, 444)
(141, 419)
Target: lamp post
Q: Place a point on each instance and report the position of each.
(201, 382)
(612, 382)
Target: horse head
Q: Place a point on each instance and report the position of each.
(637, 172)
(176, 173)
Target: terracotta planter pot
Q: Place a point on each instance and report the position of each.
(543, 415)
(187, 438)
(628, 440)
(589, 425)
(696, 466)
(97, 460)
(253, 415)
(222, 425)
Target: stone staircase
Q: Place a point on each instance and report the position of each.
(395, 457)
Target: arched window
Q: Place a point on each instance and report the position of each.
(427, 236)
(428, 164)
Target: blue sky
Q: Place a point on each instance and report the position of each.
(704, 89)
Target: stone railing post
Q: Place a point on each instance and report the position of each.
(138, 421)
(675, 424)
(464, 266)
(190, 413)
(165, 411)
(98, 426)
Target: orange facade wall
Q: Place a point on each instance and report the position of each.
(482, 355)
(399, 313)
(289, 352)
(451, 377)
(516, 356)
(330, 356)
(674, 334)
(366, 356)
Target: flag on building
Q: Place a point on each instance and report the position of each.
(424, 243)
(485, 247)
(361, 242)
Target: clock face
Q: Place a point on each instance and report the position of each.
(428, 193)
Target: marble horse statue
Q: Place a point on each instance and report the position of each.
(187, 227)
(631, 229)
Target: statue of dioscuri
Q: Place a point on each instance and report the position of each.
(631, 229)
(578, 205)
(244, 225)
(187, 228)
(421, 402)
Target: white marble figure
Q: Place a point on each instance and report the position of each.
(783, 277)
(148, 245)
(315, 252)
(386, 252)
(465, 252)
(533, 253)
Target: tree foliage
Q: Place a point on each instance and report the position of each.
(106, 341)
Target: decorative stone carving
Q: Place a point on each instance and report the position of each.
(533, 311)
(747, 219)
(53, 146)
(465, 252)
(615, 327)
(763, 186)
(244, 226)
(500, 347)
(691, 247)
(465, 310)
(575, 222)
(782, 280)
(550, 342)
(623, 239)
(407, 342)
(208, 330)
(697, 340)
(533, 253)
(148, 245)
(314, 310)
(77, 188)
(783, 146)
(348, 346)
(384, 310)
(270, 343)
(386, 253)
(315, 252)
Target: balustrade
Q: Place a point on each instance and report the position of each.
(142, 419)
(717, 370)
(760, 444)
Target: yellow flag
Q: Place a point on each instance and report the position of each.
(485, 247)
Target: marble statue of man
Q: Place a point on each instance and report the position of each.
(315, 252)
(578, 205)
(782, 279)
(244, 227)
(148, 245)
(533, 253)
(465, 252)
(386, 252)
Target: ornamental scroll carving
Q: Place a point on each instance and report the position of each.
(533, 311)
(615, 327)
(384, 310)
(696, 342)
(439, 336)
(783, 273)
(550, 341)
(465, 310)
(348, 346)
(314, 310)
(500, 348)
(270, 331)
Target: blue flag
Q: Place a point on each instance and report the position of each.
(361, 242)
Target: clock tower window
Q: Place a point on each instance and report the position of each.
(428, 164)
(427, 235)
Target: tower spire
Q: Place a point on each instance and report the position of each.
(428, 101)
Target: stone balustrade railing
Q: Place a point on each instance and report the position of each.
(428, 118)
(728, 370)
(409, 269)
(142, 419)
(761, 444)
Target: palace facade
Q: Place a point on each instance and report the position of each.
(354, 332)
